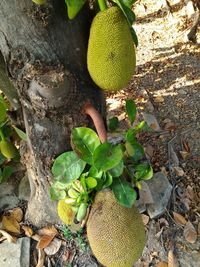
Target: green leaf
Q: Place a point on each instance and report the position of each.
(131, 110)
(113, 123)
(95, 173)
(20, 133)
(2, 159)
(143, 171)
(91, 182)
(123, 192)
(134, 150)
(129, 3)
(73, 7)
(5, 174)
(84, 142)
(57, 190)
(130, 16)
(2, 113)
(134, 36)
(107, 156)
(117, 170)
(67, 167)
(130, 135)
(108, 180)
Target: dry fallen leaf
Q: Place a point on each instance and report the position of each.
(41, 258)
(179, 218)
(36, 237)
(53, 247)
(190, 233)
(158, 234)
(186, 146)
(172, 260)
(72, 255)
(145, 219)
(45, 241)
(184, 154)
(149, 150)
(10, 224)
(28, 230)
(190, 192)
(48, 230)
(17, 213)
(162, 264)
(170, 126)
(10, 239)
(179, 171)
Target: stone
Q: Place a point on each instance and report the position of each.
(24, 190)
(152, 122)
(145, 197)
(8, 202)
(6, 189)
(160, 189)
(17, 255)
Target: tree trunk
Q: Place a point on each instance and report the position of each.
(45, 55)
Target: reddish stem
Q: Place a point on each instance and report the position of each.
(97, 120)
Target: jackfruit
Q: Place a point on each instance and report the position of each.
(116, 234)
(8, 150)
(111, 53)
(66, 212)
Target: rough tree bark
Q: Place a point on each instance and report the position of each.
(45, 55)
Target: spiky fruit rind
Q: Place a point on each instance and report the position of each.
(116, 234)
(111, 52)
(8, 149)
(66, 212)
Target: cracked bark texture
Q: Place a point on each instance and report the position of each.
(45, 56)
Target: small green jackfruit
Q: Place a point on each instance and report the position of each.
(111, 53)
(8, 150)
(66, 212)
(82, 210)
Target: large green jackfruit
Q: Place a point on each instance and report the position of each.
(111, 53)
(116, 234)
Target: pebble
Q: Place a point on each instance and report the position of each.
(160, 188)
(15, 255)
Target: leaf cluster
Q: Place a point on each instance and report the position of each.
(93, 166)
(7, 134)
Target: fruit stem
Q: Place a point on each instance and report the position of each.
(2, 135)
(102, 5)
(97, 120)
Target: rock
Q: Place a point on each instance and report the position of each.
(8, 202)
(149, 106)
(182, 92)
(160, 189)
(24, 190)
(6, 189)
(145, 198)
(152, 122)
(159, 99)
(17, 255)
